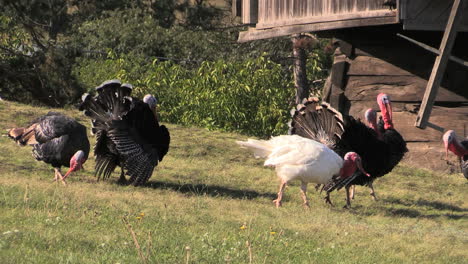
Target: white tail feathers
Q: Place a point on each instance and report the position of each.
(260, 148)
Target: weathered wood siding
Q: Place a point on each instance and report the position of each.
(370, 61)
(429, 14)
(290, 12)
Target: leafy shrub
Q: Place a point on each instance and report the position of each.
(252, 96)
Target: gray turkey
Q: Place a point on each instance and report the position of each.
(56, 139)
(127, 132)
(459, 148)
(343, 133)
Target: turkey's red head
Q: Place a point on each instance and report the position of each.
(386, 109)
(451, 143)
(76, 162)
(371, 119)
(352, 161)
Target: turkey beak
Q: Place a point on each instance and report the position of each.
(359, 165)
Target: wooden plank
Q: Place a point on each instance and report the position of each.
(444, 118)
(345, 48)
(400, 88)
(339, 72)
(303, 8)
(403, 122)
(366, 65)
(236, 8)
(381, 62)
(254, 34)
(250, 11)
(326, 92)
(337, 98)
(358, 108)
(439, 65)
(265, 23)
(430, 15)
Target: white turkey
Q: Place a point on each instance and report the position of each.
(298, 158)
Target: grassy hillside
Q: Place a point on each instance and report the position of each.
(210, 202)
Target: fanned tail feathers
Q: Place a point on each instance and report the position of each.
(317, 121)
(111, 103)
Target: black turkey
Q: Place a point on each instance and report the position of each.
(127, 132)
(56, 139)
(323, 123)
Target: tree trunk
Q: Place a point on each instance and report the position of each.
(300, 73)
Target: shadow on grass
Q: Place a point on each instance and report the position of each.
(210, 190)
(419, 209)
(425, 203)
(411, 213)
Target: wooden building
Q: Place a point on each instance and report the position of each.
(405, 48)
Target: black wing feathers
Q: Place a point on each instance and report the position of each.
(127, 132)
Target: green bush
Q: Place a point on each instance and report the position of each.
(252, 96)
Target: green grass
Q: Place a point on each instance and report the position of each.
(199, 200)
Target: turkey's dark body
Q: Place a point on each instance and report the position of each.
(57, 138)
(127, 133)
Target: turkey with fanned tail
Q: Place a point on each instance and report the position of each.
(56, 139)
(127, 132)
(343, 133)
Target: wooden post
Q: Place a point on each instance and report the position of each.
(249, 11)
(236, 8)
(338, 82)
(440, 65)
(300, 73)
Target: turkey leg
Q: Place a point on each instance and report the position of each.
(58, 175)
(280, 194)
(372, 193)
(304, 195)
(348, 197)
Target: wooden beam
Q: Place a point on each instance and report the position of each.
(266, 23)
(433, 50)
(254, 34)
(440, 64)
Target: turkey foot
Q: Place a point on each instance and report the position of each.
(58, 175)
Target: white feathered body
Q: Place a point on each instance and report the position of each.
(296, 157)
